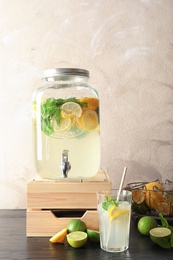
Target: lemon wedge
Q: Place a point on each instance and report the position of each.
(114, 212)
(59, 237)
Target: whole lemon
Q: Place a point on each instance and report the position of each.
(154, 194)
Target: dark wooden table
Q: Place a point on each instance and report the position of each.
(15, 245)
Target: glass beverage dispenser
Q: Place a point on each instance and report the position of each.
(66, 129)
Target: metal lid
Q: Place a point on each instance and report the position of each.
(65, 72)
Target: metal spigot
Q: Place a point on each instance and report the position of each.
(65, 164)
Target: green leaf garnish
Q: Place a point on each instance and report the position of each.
(108, 202)
(46, 126)
(58, 116)
(163, 221)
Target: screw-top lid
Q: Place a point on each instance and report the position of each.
(65, 72)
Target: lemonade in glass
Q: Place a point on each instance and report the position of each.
(114, 220)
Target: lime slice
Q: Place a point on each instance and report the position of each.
(93, 235)
(77, 239)
(161, 236)
(114, 212)
(59, 237)
(64, 125)
(70, 109)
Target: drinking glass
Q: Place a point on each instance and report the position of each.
(114, 211)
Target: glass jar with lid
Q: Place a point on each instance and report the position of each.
(66, 128)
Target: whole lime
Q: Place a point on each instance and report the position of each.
(145, 224)
(76, 225)
(93, 235)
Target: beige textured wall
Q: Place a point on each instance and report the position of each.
(128, 47)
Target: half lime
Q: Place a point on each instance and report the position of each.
(161, 236)
(77, 239)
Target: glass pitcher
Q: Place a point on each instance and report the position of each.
(66, 126)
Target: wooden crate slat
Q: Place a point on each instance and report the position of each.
(44, 223)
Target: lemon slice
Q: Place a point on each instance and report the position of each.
(89, 120)
(59, 237)
(70, 109)
(114, 212)
(77, 239)
(64, 125)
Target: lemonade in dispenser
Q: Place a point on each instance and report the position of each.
(66, 126)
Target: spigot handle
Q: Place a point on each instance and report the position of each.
(65, 164)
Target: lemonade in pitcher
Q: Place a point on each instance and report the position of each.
(66, 130)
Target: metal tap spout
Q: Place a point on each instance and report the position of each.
(65, 164)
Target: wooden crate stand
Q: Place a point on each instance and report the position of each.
(52, 204)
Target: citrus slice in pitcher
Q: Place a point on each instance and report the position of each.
(92, 103)
(64, 125)
(70, 109)
(89, 120)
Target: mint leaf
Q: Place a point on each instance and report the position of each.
(105, 205)
(46, 126)
(108, 202)
(58, 116)
(163, 221)
(171, 228)
(48, 108)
